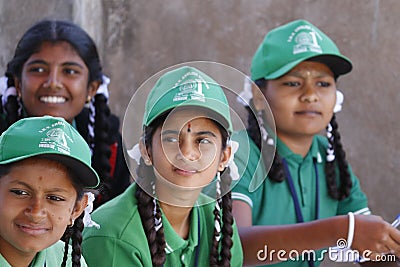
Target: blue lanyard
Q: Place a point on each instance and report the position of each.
(299, 214)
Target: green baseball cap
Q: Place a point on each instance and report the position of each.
(187, 86)
(52, 138)
(288, 45)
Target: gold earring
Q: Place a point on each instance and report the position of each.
(88, 99)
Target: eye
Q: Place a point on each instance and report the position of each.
(204, 141)
(19, 192)
(291, 84)
(55, 198)
(71, 71)
(324, 84)
(37, 69)
(170, 139)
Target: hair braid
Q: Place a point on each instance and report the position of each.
(227, 220)
(345, 179)
(77, 241)
(146, 208)
(12, 105)
(101, 149)
(276, 172)
(223, 257)
(330, 166)
(66, 246)
(73, 234)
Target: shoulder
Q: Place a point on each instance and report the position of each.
(53, 255)
(118, 218)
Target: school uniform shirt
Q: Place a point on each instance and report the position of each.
(121, 239)
(49, 257)
(272, 202)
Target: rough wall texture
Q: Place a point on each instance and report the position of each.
(138, 38)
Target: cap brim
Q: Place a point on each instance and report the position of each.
(86, 175)
(339, 65)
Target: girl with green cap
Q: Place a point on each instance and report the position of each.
(295, 69)
(45, 174)
(165, 219)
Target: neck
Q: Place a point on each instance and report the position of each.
(16, 258)
(178, 217)
(299, 145)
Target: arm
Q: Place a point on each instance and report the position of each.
(371, 233)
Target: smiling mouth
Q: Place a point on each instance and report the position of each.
(33, 230)
(53, 99)
(185, 172)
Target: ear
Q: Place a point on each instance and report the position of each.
(225, 156)
(144, 152)
(79, 207)
(93, 87)
(17, 85)
(259, 101)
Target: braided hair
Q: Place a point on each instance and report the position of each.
(96, 132)
(150, 211)
(276, 172)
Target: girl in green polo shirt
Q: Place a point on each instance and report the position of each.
(165, 219)
(44, 172)
(308, 178)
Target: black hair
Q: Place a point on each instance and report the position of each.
(276, 172)
(74, 232)
(220, 254)
(97, 118)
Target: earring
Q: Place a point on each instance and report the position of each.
(88, 99)
(72, 223)
(147, 161)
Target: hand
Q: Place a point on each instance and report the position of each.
(374, 234)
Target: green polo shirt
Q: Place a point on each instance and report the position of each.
(121, 240)
(51, 256)
(272, 202)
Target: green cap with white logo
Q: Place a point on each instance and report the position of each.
(187, 86)
(52, 138)
(286, 46)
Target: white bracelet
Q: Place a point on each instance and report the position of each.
(350, 234)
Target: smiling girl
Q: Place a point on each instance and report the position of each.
(44, 170)
(165, 219)
(56, 71)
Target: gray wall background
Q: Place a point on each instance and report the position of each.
(137, 38)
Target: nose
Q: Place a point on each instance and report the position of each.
(53, 81)
(35, 210)
(189, 151)
(309, 94)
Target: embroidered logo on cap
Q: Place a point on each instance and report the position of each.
(190, 88)
(55, 138)
(306, 39)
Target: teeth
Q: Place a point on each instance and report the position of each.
(52, 99)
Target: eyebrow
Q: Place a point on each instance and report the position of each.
(56, 189)
(196, 133)
(68, 63)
